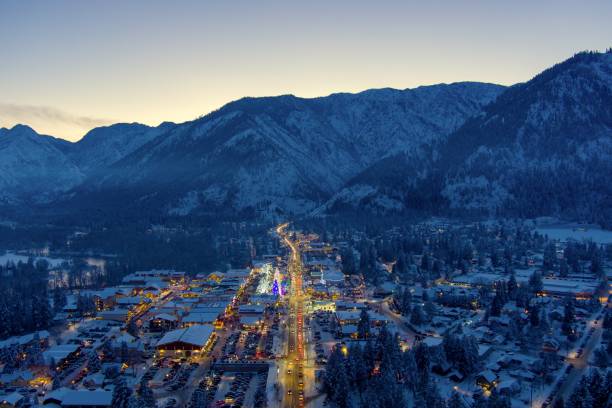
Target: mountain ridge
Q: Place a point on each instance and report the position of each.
(465, 147)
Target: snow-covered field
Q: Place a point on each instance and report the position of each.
(15, 258)
(597, 235)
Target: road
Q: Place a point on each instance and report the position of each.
(382, 306)
(292, 377)
(581, 363)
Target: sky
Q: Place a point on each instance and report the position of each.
(69, 66)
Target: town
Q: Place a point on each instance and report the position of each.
(436, 314)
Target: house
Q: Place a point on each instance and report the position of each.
(163, 322)
(550, 345)
(251, 309)
(487, 379)
(68, 398)
(117, 315)
(62, 354)
(194, 338)
(348, 316)
(349, 330)
(250, 322)
(17, 378)
(199, 318)
(12, 400)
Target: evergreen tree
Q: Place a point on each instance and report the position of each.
(550, 257)
(455, 401)
(496, 306)
(348, 261)
(406, 302)
(409, 370)
(563, 268)
(56, 383)
(59, 299)
(121, 394)
(559, 403)
(535, 282)
(512, 286)
(124, 353)
(417, 318)
(498, 401)
(534, 316)
(148, 400)
(363, 327)
(134, 402)
(93, 363)
(198, 399)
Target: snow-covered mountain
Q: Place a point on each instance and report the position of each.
(34, 166)
(284, 154)
(538, 148)
(105, 145)
(542, 147)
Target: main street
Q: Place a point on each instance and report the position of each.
(292, 378)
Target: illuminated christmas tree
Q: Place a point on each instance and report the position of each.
(275, 288)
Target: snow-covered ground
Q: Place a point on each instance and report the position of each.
(561, 233)
(15, 258)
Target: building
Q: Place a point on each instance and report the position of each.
(61, 354)
(250, 322)
(163, 322)
(200, 318)
(194, 338)
(69, 398)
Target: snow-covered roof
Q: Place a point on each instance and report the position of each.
(165, 316)
(80, 398)
(348, 314)
(251, 308)
(432, 341)
(249, 320)
(25, 339)
(349, 329)
(200, 317)
(488, 375)
(11, 399)
(59, 352)
(196, 335)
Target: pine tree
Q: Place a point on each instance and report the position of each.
(93, 363)
(56, 383)
(417, 317)
(550, 257)
(59, 299)
(335, 364)
(363, 327)
(559, 403)
(535, 282)
(496, 306)
(471, 355)
(455, 401)
(341, 392)
(409, 370)
(134, 402)
(107, 350)
(198, 399)
(124, 352)
(148, 400)
(121, 394)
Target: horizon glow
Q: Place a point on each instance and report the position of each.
(69, 66)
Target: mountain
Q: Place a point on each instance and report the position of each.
(34, 166)
(279, 154)
(543, 147)
(105, 145)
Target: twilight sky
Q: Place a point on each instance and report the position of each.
(68, 66)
